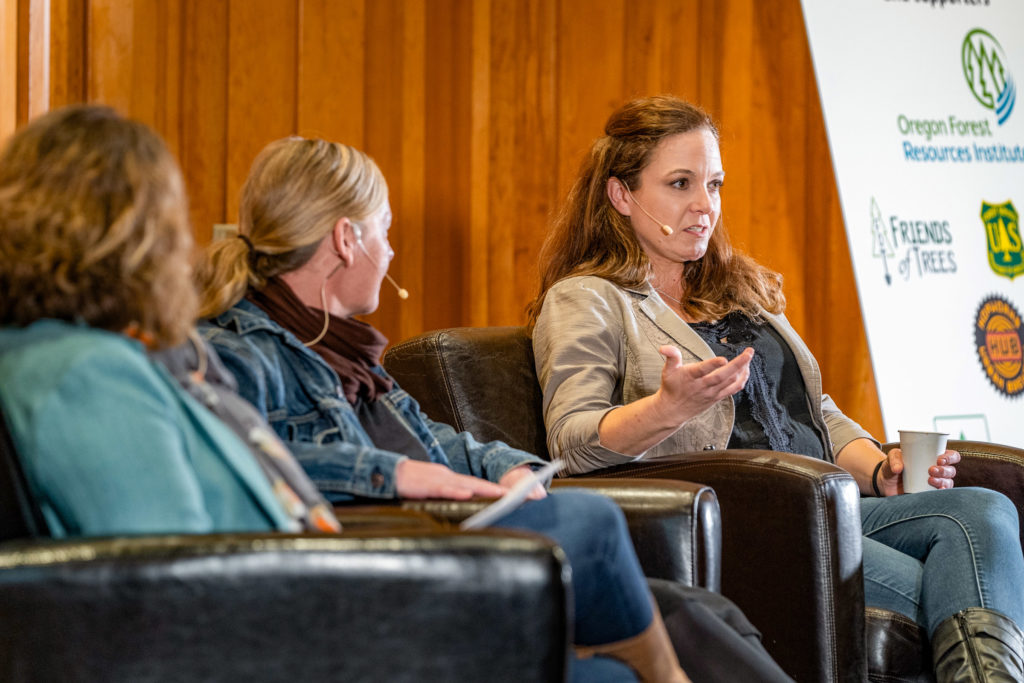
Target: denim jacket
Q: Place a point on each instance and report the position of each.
(301, 397)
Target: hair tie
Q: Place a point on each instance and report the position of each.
(252, 250)
(248, 243)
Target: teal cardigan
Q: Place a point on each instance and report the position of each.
(112, 445)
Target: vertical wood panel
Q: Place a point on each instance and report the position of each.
(395, 133)
(332, 49)
(407, 318)
(262, 68)
(661, 50)
(777, 225)
(590, 69)
(204, 112)
(447, 216)
(39, 57)
(523, 153)
(481, 122)
(8, 67)
(67, 52)
(109, 46)
(167, 100)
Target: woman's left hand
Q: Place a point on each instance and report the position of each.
(514, 475)
(940, 475)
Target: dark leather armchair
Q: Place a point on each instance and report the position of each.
(675, 525)
(416, 602)
(791, 542)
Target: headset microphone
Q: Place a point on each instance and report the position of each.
(665, 228)
(403, 293)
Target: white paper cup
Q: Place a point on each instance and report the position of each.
(920, 451)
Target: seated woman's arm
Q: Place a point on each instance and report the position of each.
(342, 469)
(581, 358)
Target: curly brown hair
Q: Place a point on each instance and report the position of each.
(589, 237)
(94, 227)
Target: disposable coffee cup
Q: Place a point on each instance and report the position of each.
(920, 451)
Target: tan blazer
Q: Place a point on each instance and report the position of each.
(596, 347)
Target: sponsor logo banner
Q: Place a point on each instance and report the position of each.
(1002, 232)
(928, 150)
(999, 340)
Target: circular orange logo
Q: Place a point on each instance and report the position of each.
(999, 340)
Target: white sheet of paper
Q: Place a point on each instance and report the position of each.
(513, 499)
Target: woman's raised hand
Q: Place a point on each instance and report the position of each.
(688, 389)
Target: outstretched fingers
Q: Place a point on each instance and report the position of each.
(726, 378)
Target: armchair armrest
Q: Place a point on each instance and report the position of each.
(791, 552)
(405, 606)
(674, 525)
(383, 517)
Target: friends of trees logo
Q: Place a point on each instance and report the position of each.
(987, 74)
(911, 246)
(1002, 234)
(999, 340)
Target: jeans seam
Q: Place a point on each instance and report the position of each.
(966, 533)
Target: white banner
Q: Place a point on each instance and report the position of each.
(927, 139)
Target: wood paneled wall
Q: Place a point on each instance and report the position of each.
(478, 112)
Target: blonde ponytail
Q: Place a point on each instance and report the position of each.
(223, 276)
(296, 192)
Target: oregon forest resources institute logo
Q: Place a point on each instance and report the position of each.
(914, 246)
(998, 338)
(1002, 232)
(984, 64)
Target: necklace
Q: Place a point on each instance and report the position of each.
(667, 296)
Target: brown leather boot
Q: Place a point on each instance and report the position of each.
(978, 645)
(649, 653)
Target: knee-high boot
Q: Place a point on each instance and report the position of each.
(649, 653)
(978, 645)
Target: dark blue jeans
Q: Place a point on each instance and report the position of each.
(929, 555)
(610, 594)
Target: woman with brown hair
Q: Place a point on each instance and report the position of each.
(654, 337)
(95, 272)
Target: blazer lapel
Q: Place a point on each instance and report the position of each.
(671, 324)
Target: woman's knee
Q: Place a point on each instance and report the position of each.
(983, 506)
(589, 509)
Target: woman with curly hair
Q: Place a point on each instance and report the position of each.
(95, 273)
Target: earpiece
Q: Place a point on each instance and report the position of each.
(665, 228)
(357, 230)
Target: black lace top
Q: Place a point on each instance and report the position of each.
(772, 410)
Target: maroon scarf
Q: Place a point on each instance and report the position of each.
(351, 347)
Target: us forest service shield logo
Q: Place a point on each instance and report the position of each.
(1002, 232)
(998, 338)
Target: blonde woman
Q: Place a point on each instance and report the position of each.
(311, 253)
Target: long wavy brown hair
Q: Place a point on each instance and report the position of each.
(296, 191)
(589, 237)
(94, 227)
